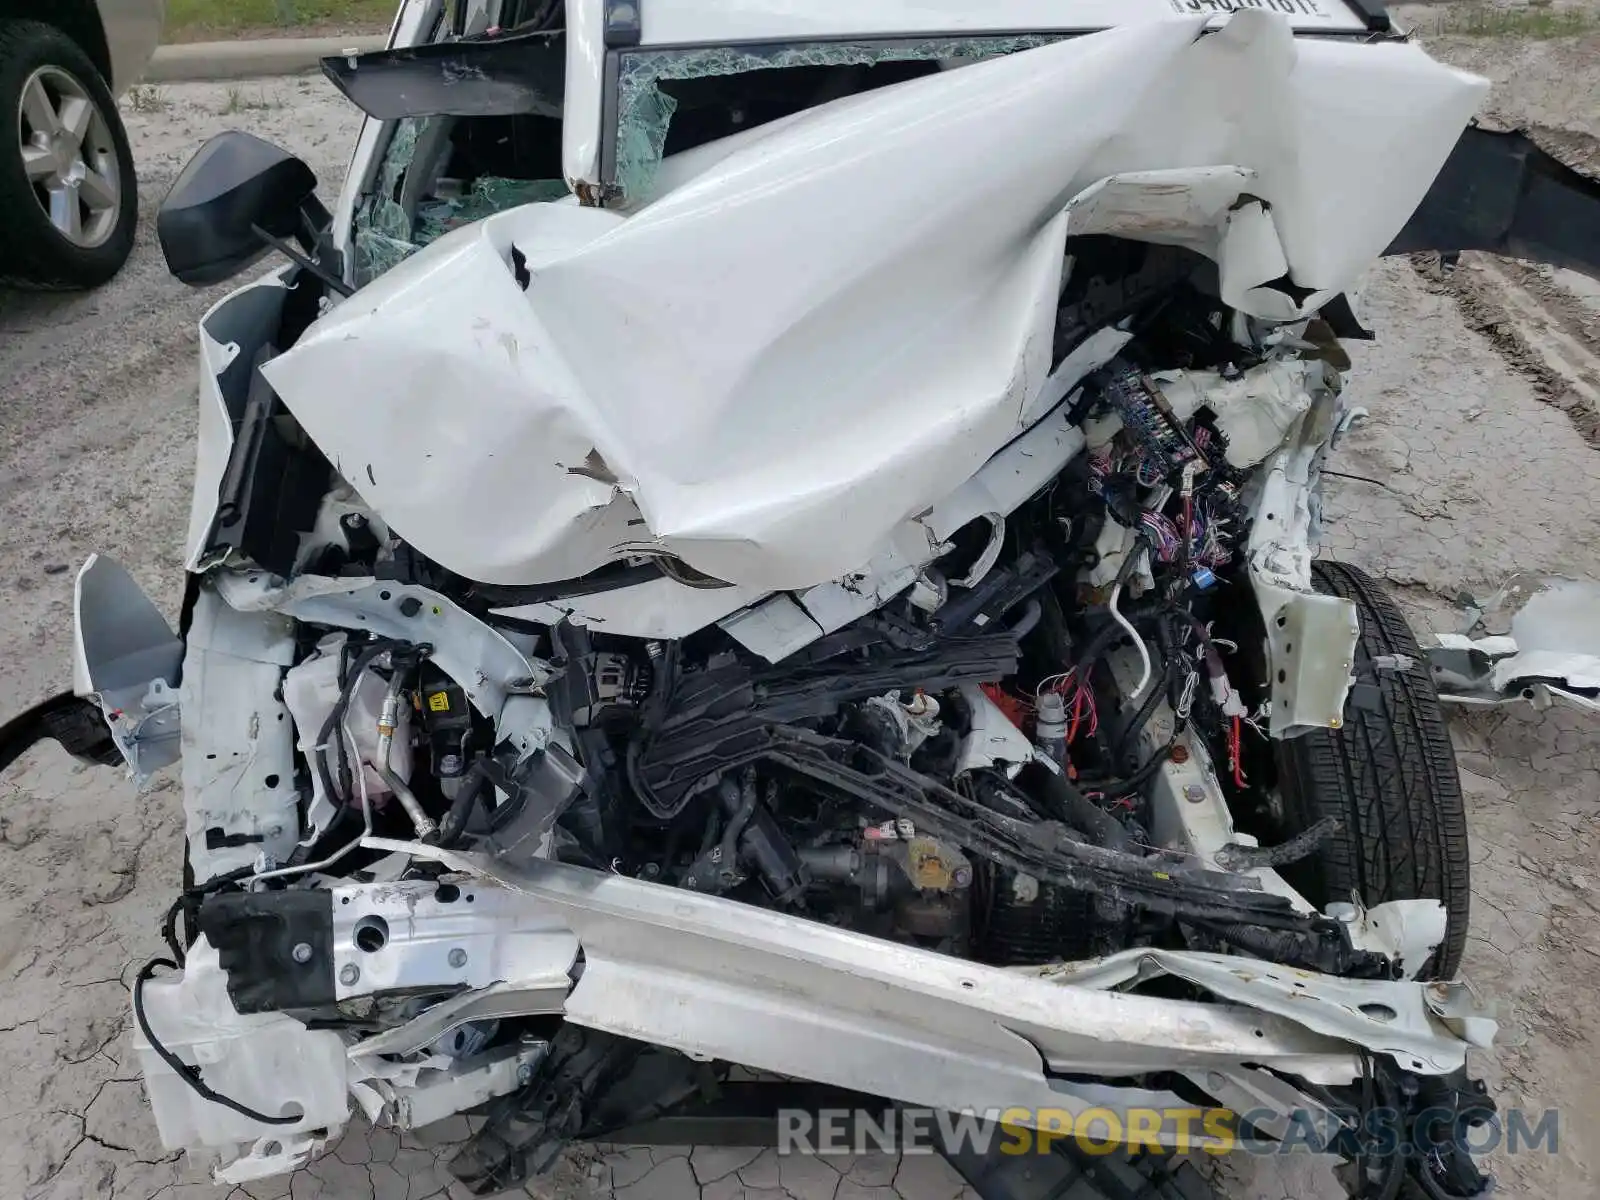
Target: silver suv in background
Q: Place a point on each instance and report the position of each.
(68, 200)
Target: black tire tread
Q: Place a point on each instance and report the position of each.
(1390, 776)
(31, 254)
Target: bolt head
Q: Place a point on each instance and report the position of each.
(349, 974)
(1194, 793)
(301, 952)
(458, 957)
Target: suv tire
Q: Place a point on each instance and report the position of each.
(67, 185)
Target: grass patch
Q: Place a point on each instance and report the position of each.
(239, 101)
(146, 98)
(1537, 21)
(201, 20)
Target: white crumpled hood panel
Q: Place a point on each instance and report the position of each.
(830, 328)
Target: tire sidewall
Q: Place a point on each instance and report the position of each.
(31, 248)
(1434, 824)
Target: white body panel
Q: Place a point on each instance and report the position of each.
(772, 366)
(693, 22)
(802, 364)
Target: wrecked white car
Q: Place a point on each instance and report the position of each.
(781, 538)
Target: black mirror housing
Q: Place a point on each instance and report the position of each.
(235, 183)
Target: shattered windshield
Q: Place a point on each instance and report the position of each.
(441, 173)
(466, 144)
(672, 100)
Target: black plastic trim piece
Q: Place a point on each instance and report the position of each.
(256, 933)
(1374, 13)
(519, 74)
(1502, 193)
(624, 23)
(76, 724)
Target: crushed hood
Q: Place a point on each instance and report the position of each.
(836, 321)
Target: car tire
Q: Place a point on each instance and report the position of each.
(1389, 776)
(84, 166)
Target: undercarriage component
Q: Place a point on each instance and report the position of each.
(1068, 1169)
(568, 1095)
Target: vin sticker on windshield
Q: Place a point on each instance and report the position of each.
(1288, 8)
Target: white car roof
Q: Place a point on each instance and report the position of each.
(719, 22)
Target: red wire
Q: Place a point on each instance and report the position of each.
(1233, 752)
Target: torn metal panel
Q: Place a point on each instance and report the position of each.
(1398, 1018)
(496, 1002)
(1556, 625)
(239, 800)
(774, 629)
(1311, 638)
(718, 979)
(126, 656)
(862, 362)
(448, 1086)
(1550, 652)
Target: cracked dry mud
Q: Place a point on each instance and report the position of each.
(1482, 472)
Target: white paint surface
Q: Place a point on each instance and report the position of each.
(824, 332)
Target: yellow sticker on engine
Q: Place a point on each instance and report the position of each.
(439, 702)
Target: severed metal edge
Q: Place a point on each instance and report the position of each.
(716, 979)
(498, 1001)
(1311, 638)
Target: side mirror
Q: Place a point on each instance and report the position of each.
(235, 189)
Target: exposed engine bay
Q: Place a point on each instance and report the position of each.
(959, 770)
(541, 760)
(1051, 743)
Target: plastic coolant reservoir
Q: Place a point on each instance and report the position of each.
(310, 691)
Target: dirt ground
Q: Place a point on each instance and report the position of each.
(1482, 440)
